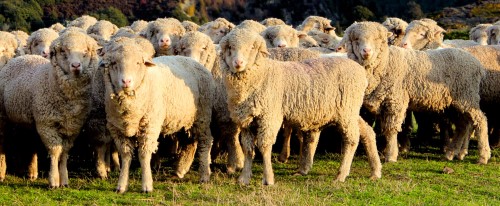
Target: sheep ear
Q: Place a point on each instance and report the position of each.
(302, 35)
(389, 34)
(329, 28)
(149, 63)
(100, 52)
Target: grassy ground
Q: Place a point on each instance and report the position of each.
(417, 179)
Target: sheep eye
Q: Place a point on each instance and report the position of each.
(204, 48)
(422, 34)
(36, 44)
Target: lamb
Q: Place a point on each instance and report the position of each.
(263, 94)
(318, 23)
(58, 27)
(401, 79)
(145, 97)
(479, 34)
(83, 22)
(251, 25)
(398, 28)
(8, 47)
(190, 26)
(216, 29)
(39, 42)
(139, 26)
(163, 33)
(22, 38)
(56, 94)
(103, 28)
(272, 22)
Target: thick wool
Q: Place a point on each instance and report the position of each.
(83, 22)
(52, 97)
(398, 28)
(58, 27)
(104, 29)
(251, 25)
(272, 22)
(216, 29)
(324, 40)
(422, 35)
(139, 25)
(163, 96)
(308, 42)
(401, 79)
(39, 42)
(8, 47)
(479, 34)
(264, 94)
(164, 33)
(22, 38)
(190, 26)
(281, 36)
(317, 23)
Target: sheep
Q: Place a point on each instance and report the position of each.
(72, 29)
(216, 29)
(83, 22)
(272, 22)
(308, 42)
(318, 23)
(263, 94)
(57, 95)
(251, 25)
(125, 32)
(22, 38)
(145, 97)
(479, 34)
(190, 26)
(401, 79)
(58, 27)
(39, 42)
(398, 28)
(282, 36)
(139, 26)
(324, 40)
(163, 33)
(103, 28)
(493, 32)
(8, 47)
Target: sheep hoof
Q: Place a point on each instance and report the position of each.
(120, 190)
(339, 179)
(64, 186)
(53, 187)
(375, 177)
(243, 181)
(482, 161)
(267, 182)
(146, 191)
(299, 174)
(282, 159)
(230, 170)
(204, 180)
(449, 156)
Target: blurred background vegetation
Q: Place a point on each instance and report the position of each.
(457, 16)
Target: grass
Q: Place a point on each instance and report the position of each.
(416, 179)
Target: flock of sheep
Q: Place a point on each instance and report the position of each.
(130, 85)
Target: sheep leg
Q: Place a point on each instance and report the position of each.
(3, 163)
(266, 136)
(266, 151)
(125, 148)
(107, 158)
(186, 157)
(368, 139)
(115, 157)
(285, 149)
(54, 153)
(205, 140)
(404, 136)
(481, 131)
(463, 129)
(247, 145)
(145, 152)
(235, 154)
(33, 167)
(310, 142)
(63, 168)
(391, 125)
(101, 161)
(465, 148)
(350, 132)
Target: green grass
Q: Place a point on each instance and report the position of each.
(416, 179)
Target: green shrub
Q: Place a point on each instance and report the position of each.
(113, 15)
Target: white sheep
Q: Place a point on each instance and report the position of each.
(56, 93)
(324, 40)
(58, 27)
(103, 28)
(493, 32)
(139, 25)
(479, 34)
(398, 28)
(83, 22)
(401, 79)
(145, 98)
(190, 26)
(251, 25)
(39, 42)
(282, 36)
(164, 33)
(272, 22)
(263, 94)
(8, 47)
(22, 38)
(216, 29)
(318, 23)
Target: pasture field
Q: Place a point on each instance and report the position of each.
(416, 179)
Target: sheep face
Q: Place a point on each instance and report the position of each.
(217, 31)
(8, 45)
(366, 41)
(242, 49)
(397, 27)
(479, 34)
(494, 35)
(317, 23)
(103, 28)
(197, 46)
(74, 53)
(324, 40)
(163, 33)
(420, 35)
(281, 36)
(307, 42)
(39, 42)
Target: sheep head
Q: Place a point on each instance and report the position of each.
(217, 29)
(198, 46)
(366, 42)
(306, 41)
(39, 42)
(241, 50)
(398, 28)
(163, 34)
(252, 25)
(479, 34)
(317, 23)
(281, 36)
(493, 34)
(8, 46)
(75, 53)
(272, 22)
(422, 35)
(103, 28)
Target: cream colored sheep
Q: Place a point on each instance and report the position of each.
(57, 95)
(139, 25)
(58, 27)
(164, 33)
(39, 42)
(190, 26)
(318, 23)
(104, 29)
(422, 35)
(216, 29)
(72, 29)
(479, 34)
(308, 42)
(83, 22)
(398, 28)
(282, 36)
(125, 32)
(401, 79)
(263, 94)
(272, 22)
(493, 34)
(22, 38)
(324, 40)
(251, 25)
(145, 98)
(8, 47)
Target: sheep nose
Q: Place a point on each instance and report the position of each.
(45, 54)
(404, 45)
(366, 50)
(238, 62)
(75, 65)
(126, 82)
(164, 40)
(282, 45)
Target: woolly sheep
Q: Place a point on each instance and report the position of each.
(493, 34)
(39, 42)
(144, 98)
(103, 28)
(190, 26)
(398, 28)
(125, 32)
(83, 22)
(422, 35)
(22, 38)
(479, 34)
(318, 23)
(139, 26)
(164, 33)
(282, 36)
(58, 27)
(251, 25)
(216, 29)
(308, 42)
(263, 94)
(401, 79)
(324, 40)
(57, 95)
(72, 29)
(272, 22)
(8, 47)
